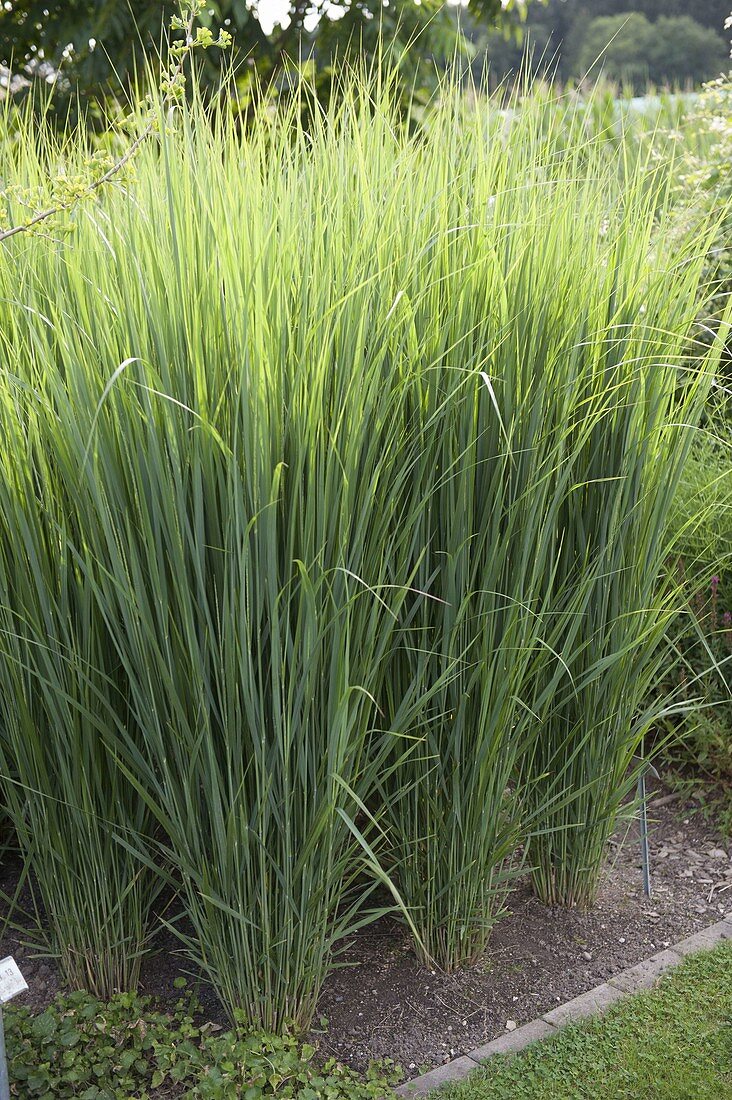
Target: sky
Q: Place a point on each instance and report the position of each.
(275, 11)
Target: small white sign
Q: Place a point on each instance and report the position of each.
(12, 981)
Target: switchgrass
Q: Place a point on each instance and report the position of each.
(63, 701)
(592, 746)
(334, 463)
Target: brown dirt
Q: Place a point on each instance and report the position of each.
(380, 1003)
(386, 1005)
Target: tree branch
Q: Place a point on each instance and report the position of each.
(60, 207)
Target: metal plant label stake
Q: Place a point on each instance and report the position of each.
(645, 855)
(12, 983)
(643, 770)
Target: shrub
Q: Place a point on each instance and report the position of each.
(705, 185)
(698, 746)
(697, 750)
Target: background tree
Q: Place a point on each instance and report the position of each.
(99, 45)
(564, 36)
(631, 49)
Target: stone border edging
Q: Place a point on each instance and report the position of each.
(593, 1003)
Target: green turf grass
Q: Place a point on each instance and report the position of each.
(674, 1043)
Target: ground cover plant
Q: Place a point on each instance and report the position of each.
(668, 1044)
(335, 462)
(97, 1050)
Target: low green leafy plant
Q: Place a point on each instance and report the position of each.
(93, 1050)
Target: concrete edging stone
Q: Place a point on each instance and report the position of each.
(642, 976)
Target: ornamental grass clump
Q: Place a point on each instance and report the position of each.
(545, 528)
(649, 377)
(332, 468)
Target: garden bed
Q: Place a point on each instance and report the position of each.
(382, 1004)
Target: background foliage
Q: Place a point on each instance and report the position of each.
(631, 41)
(111, 40)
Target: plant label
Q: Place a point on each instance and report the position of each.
(12, 981)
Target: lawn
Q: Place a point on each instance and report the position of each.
(674, 1043)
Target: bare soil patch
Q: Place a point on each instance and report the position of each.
(380, 1003)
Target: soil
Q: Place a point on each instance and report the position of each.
(380, 1003)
